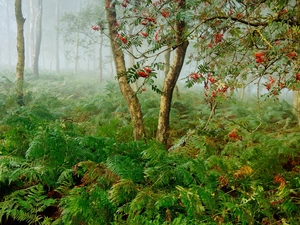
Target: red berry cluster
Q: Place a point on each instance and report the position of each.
(195, 76)
(145, 72)
(271, 82)
(165, 13)
(233, 135)
(124, 4)
(291, 55)
(144, 34)
(260, 58)
(218, 38)
(123, 39)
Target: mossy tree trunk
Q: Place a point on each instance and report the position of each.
(119, 58)
(21, 51)
(170, 81)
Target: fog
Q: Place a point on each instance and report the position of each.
(69, 44)
(54, 24)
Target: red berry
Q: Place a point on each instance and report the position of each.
(95, 28)
(147, 70)
(165, 13)
(142, 73)
(144, 34)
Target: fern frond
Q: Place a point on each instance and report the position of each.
(75, 205)
(125, 168)
(122, 192)
(26, 204)
(191, 200)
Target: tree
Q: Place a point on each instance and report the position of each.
(83, 34)
(8, 32)
(31, 31)
(119, 58)
(38, 38)
(21, 51)
(179, 43)
(57, 13)
(236, 41)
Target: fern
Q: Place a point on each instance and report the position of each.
(123, 192)
(125, 168)
(75, 205)
(26, 205)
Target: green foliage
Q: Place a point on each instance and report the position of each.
(86, 206)
(26, 205)
(68, 158)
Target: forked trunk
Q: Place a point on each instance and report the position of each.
(170, 82)
(129, 95)
(21, 51)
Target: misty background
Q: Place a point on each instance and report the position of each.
(70, 42)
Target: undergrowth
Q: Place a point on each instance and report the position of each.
(67, 157)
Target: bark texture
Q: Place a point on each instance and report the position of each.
(170, 81)
(129, 95)
(31, 32)
(21, 51)
(296, 105)
(38, 39)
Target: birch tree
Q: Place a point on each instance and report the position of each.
(21, 51)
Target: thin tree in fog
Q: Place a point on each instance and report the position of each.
(38, 39)
(57, 37)
(8, 32)
(31, 32)
(101, 57)
(76, 61)
(21, 51)
(82, 32)
(5, 18)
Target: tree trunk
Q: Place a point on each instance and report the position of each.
(131, 58)
(8, 25)
(76, 59)
(170, 82)
(296, 104)
(21, 51)
(101, 58)
(57, 64)
(130, 98)
(167, 58)
(31, 32)
(38, 39)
